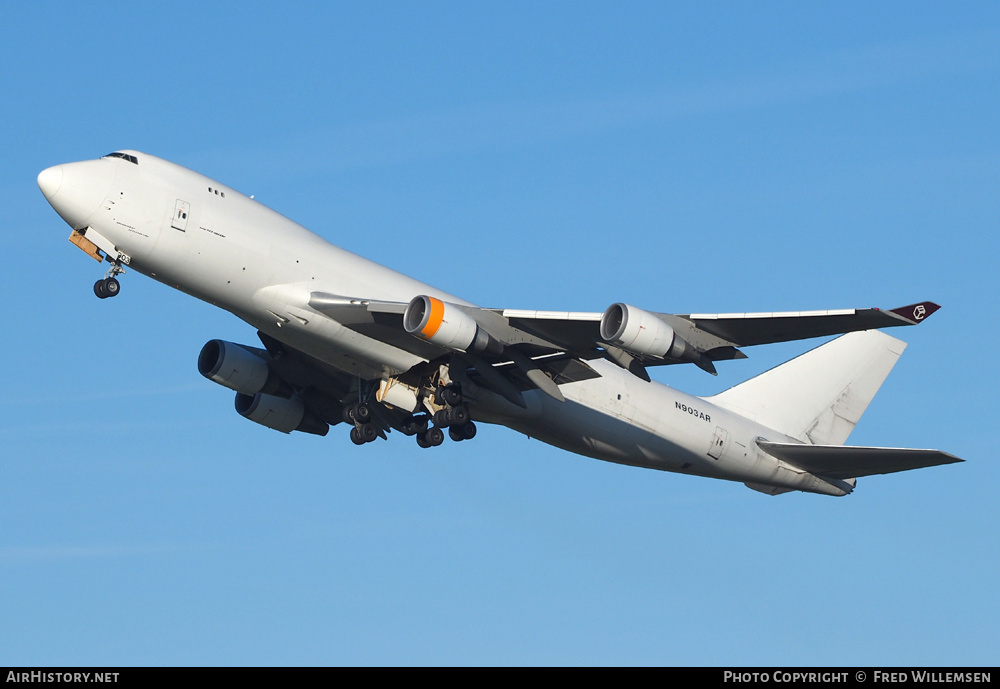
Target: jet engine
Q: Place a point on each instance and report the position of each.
(239, 368)
(446, 325)
(642, 332)
(280, 413)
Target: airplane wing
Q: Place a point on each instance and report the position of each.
(747, 329)
(703, 338)
(580, 331)
(846, 462)
(730, 329)
(630, 337)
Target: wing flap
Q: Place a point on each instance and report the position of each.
(845, 461)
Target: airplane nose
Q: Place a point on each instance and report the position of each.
(77, 190)
(49, 181)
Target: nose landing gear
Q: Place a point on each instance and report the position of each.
(109, 285)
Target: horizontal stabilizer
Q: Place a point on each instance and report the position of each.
(845, 462)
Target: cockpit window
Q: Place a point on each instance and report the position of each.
(124, 156)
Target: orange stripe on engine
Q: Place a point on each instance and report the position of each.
(434, 320)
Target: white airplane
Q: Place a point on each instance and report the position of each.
(347, 340)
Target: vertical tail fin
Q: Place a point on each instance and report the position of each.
(818, 397)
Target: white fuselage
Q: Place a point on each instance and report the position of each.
(212, 242)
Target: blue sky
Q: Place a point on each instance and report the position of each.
(681, 157)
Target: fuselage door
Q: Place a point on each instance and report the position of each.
(180, 219)
(719, 441)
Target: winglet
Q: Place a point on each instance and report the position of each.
(914, 313)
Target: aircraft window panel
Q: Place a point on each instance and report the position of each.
(118, 154)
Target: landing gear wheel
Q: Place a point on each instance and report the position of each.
(362, 413)
(433, 437)
(416, 425)
(99, 290)
(111, 287)
(451, 396)
(356, 437)
(368, 432)
(459, 416)
(467, 431)
(356, 413)
(442, 418)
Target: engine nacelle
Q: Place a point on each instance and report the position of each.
(446, 325)
(642, 332)
(280, 413)
(238, 368)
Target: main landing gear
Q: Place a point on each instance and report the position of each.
(109, 285)
(359, 415)
(432, 436)
(452, 415)
(419, 425)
